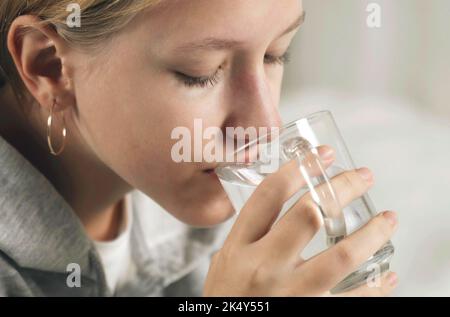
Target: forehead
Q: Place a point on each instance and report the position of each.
(242, 20)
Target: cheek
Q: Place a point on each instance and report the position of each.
(127, 130)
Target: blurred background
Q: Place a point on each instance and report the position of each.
(389, 90)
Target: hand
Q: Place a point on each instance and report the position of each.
(260, 258)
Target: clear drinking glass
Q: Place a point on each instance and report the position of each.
(299, 140)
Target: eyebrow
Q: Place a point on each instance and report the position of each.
(221, 44)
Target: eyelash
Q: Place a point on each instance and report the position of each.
(280, 60)
(203, 82)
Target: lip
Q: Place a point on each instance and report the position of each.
(208, 167)
(211, 173)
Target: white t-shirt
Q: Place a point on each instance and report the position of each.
(155, 254)
(116, 254)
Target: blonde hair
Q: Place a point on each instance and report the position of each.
(99, 20)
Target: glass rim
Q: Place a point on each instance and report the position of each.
(287, 126)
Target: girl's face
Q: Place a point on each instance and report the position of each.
(219, 61)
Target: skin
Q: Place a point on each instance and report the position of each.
(119, 130)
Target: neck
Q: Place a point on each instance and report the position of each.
(92, 189)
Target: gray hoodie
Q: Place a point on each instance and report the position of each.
(40, 238)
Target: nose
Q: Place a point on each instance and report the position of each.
(253, 102)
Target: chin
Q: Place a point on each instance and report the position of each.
(211, 213)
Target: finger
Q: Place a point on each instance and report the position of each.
(328, 268)
(345, 187)
(297, 227)
(380, 287)
(263, 207)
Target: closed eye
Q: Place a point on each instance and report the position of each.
(277, 60)
(202, 82)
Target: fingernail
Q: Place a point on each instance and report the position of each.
(392, 279)
(327, 154)
(366, 174)
(391, 217)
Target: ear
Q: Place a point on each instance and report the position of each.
(38, 52)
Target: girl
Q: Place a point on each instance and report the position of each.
(87, 111)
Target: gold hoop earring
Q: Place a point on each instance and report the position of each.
(49, 135)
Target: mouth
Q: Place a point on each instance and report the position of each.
(211, 173)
